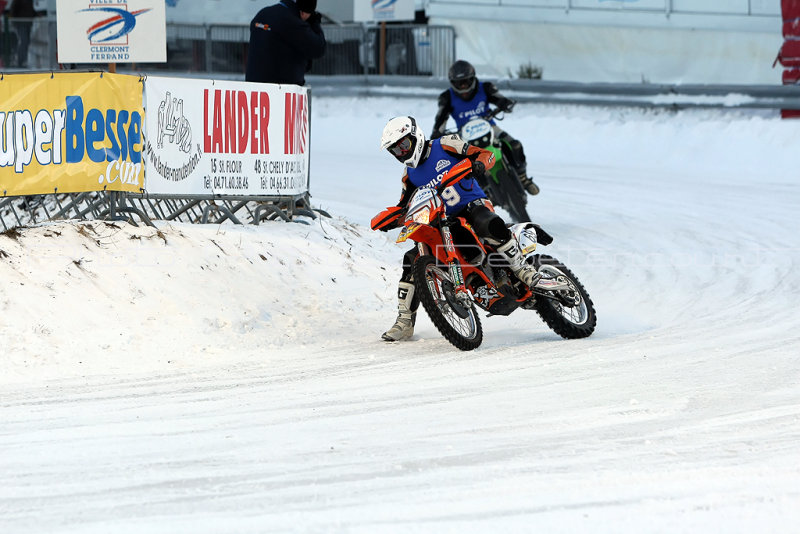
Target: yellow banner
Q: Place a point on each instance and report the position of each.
(70, 132)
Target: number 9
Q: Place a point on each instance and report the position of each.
(451, 196)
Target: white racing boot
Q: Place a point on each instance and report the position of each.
(511, 252)
(403, 327)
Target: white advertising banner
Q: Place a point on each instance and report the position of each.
(111, 31)
(383, 10)
(225, 138)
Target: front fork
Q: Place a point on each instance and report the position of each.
(455, 266)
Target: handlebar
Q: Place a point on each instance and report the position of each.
(496, 113)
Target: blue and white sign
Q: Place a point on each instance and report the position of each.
(111, 31)
(383, 10)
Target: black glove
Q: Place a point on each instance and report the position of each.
(507, 106)
(315, 19)
(478, 168)
(436, 134)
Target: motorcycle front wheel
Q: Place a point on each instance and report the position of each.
(568, 312)
(456, 320)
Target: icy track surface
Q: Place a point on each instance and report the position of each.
(226, 379)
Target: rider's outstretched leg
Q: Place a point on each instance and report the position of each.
(403, 327)
(407, 302)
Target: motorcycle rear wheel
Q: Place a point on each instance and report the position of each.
(568, 312)
(459, 324)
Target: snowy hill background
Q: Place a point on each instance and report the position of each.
(231, 379)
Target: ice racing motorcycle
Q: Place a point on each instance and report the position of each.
(504, 188)
(455, 271)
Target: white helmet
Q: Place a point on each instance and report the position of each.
(404, 140)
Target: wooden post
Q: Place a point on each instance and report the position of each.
(112, 67)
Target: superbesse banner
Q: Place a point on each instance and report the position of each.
(70, 132)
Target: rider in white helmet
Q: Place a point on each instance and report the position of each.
(425, 163)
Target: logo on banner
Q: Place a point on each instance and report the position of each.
(108, 37)
(383, 4)
(384, 9)
(112, 28)
(173, 124)
(174, 158)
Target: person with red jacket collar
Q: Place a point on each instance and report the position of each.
(284, 38)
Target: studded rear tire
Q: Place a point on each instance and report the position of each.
(570, 312)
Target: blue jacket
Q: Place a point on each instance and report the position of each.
(430, 172)
(465, 110)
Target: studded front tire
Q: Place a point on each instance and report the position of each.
(457, 322)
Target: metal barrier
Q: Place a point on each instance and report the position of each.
(410, 49)
(143, 208)
(27, 43)
(590, 94)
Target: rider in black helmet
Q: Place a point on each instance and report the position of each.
(468, 97)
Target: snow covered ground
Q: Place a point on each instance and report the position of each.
(226, 379)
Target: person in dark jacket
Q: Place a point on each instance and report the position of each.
(284, 38)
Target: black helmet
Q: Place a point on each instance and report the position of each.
(462, 77)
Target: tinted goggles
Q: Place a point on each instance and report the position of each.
(402, 147)
(462, 85)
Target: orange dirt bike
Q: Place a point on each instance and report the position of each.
(454, 271)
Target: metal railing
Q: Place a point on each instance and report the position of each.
(410, 49)
(678, 96)
(740, 7)
(27, 43)
(144, 208)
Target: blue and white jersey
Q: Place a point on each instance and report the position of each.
(464, 110)
(430, 172)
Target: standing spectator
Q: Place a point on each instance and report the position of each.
(22, 9)
(284, 38)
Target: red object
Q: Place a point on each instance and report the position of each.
(791, 18)
(791, 27)
(791, 76)
(789, 54)
(790, 8)
(388, 218)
